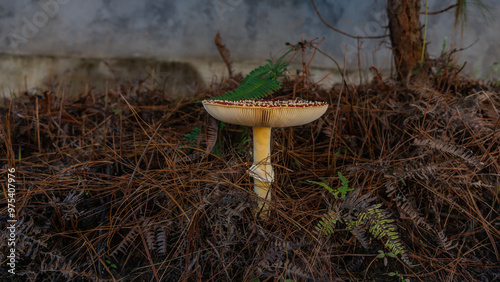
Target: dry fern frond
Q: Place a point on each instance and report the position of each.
(30, 240)
(450, 149)
(67, 270)
(161, 238)
(360, 234)
(424, 172)
(149, 233)
(356, 264)
(125, 243)
(297, 271)
(224, 52)
(212, 130)
(276, 260)
(408, 207)
(391, 187)
(476, 184)
(444, 242)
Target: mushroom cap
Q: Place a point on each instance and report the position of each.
(265, 113)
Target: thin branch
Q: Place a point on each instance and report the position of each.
(440, 11)
(340, 31)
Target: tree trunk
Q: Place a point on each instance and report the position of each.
(406, 35)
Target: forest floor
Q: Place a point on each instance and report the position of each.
(132, 185)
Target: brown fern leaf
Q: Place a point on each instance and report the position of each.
(409, 208)
(125, 243)
(161, 239)
(405, 205)
(51, 261)
(148, 232)
(355, 264)
(29, 243)
(274, 260)
(391, 187)
(67, 270)
(444, 242)
(450, 149)
(272, 255)
(476, 184)
(354, 203)
(212, 129)
(360, 234)
(224, 52)
(298, 271)
(287, 246)
(54, 263)
(69, 210)
(423, 172)
(238, 210)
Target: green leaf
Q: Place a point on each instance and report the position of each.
(116, 111)
(333, 192)
(344, 188)
(423, 244)
(112, 265)
(343, 179)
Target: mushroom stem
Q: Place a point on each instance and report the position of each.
(262, 169)
(264, 195)
(262, 154)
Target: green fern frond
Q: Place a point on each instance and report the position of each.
(251, 88)
(269, 71)
(327, 223)
(193, 135)
(360, 217)
(381, 226)
(259, 83)
(343, 179)
(260, 72)
(342, 190)
(324, 185)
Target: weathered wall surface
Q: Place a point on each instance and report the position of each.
(65, 31)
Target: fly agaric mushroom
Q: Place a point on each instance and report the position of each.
(262, 116)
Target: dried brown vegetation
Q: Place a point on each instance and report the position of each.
(131, 185)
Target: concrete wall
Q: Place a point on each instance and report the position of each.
(64, 31)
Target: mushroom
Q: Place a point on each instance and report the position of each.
(262, 115)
